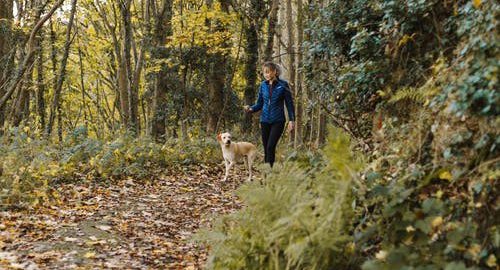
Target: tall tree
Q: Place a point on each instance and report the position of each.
(162, 30)
(28, 55)
(40, 86)
(215, 78)
(271, 30)
(253, 23)
(20, 107)
(290, 47)
(299, 96)
(6, 50)
(128, 95)
(55, 107)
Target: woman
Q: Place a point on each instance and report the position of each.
(273, 92)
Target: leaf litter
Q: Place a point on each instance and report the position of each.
(116, 224)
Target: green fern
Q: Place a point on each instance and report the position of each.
(422, 94)
(408, 94)
(296, 220)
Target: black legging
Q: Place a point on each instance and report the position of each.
(271, 134)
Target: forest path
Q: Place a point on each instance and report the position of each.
(123, 224)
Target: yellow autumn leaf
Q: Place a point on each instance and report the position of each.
(474, 250)
(351, 247)
(491, 261)
(445, 175)
(436, 222)
(476, 3)
(89, 255)
(408, 241)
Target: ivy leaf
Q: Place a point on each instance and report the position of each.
(424, 225)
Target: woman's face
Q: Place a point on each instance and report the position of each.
(269, 74)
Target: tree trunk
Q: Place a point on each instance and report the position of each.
(163, 29)
(30, 51)
(82, 82)
(321, 132)
(299, 96)
(56, 106)
(217, 66)
(128, 96)
(252, 57)
(6, 45)
(291, 52)
(271, 30)
(20, 108)
(216, 83)
(40, 87)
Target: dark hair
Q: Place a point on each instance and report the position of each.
(273, 66)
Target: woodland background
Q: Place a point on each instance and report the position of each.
(394, 162)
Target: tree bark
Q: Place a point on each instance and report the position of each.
(217, 66)
(55, 107)
(128, 96)
(271, 30)
(299, 96)
(291, 52)
(250, 71)
(40, 83)
(31, 49)
(82, 82)
(163, 29)
(252, 57)
(20, 108)
(6, 47)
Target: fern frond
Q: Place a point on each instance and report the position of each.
(408, 94)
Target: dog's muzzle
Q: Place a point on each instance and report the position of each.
(228, 143)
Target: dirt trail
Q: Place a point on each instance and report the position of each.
(126, 224)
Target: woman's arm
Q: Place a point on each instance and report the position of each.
(289, 107)
(289, 103)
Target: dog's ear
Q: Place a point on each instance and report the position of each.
(219, 137)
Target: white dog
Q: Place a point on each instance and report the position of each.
(232, 152)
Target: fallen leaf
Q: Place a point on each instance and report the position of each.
(89, 255)
(103, 227)
(70, 239)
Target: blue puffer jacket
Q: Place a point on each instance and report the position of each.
(272, 105)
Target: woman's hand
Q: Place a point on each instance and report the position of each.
(247, 109)
(291, 126)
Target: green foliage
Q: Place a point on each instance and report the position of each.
(295, 219)
(407, 94)
(425, 204)
(359, 49)
(429, 194)
(472, 82)
(31, 166)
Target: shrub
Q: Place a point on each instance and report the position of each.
(32, 165)
(295, 219)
